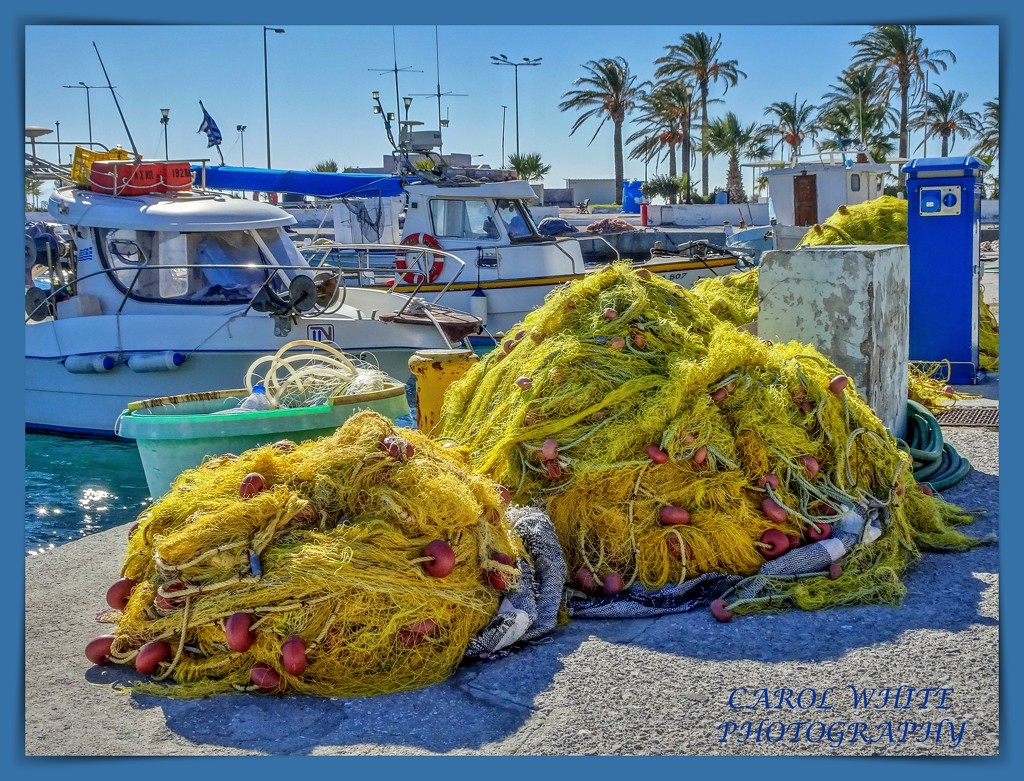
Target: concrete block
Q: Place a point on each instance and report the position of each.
(853, 304)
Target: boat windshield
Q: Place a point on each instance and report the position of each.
(476, 218)
(518, 221)
(201, 267)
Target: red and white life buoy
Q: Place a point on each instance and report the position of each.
(436, 267)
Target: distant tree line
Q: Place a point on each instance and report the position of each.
(869, 109)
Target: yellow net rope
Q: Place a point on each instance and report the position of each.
(734, 298)
(665, 443)
(332, 559)
(883, 220)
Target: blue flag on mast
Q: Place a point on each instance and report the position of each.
(212, 131)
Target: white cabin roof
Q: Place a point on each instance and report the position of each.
(515, 188)
(817, 166)
(190, 211)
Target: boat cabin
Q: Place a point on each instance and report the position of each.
(132, 250)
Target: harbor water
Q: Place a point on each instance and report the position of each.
(77, 486)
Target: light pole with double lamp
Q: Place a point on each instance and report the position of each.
(88, 102)
(241, 133)
(501, 59)
(266, 83)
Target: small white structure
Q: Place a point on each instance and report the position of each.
(809, 192)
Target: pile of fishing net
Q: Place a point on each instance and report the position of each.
(883, 220)
(735, 299)
(610, 225)
(360, 563)
(667, 445)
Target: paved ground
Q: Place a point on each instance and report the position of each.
(626, 687)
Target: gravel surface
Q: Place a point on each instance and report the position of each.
(626, 687)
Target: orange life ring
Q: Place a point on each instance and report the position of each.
(424, 240)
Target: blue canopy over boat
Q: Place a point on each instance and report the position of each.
(319, 183)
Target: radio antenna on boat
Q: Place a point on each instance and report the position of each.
(395, 70)
(441, 123)
(116, 103)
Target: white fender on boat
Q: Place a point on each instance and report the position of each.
(478, 305)
(90, 364)
(156, 362)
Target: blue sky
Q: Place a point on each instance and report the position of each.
(321, 77)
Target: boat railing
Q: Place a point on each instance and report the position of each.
(589, 237)
(323, 289)
(401, 268)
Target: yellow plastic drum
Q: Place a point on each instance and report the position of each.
(435, 370)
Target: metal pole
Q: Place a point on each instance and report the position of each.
(266, 93)
(503, 108)
(88, 109)
(241, 131)
(266, 84)
(516, 66)
(164, 119)
(925, 150)
(88, 101)
(58, 143)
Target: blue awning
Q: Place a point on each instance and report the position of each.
(317, 183)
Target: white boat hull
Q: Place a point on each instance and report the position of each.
(89, 402)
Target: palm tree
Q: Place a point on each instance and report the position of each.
(33, 189)
(665, 123)
(857, 107)
(943, 115)
(325, 166)
(608, 91)
(868, 126)
(903, 59)
(793, 122)
(726, 136)
(695, 57)
(988, 132)
(529, 166)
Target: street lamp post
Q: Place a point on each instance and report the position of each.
(88, 101)
(408, 128)
(241, 132)
(266, 83)
(503, 108)
(165, 117)
(503, 60)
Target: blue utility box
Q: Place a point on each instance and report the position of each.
(944, 234)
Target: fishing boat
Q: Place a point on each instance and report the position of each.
(477, 215)
(176, 289)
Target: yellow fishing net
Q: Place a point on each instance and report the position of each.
(734, 298)
(339, 549)
(647, 428)
(883, 220)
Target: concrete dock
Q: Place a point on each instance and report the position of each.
(625, 687)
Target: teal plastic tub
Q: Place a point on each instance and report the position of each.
(177, 433)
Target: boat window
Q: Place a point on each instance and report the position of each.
(855, 183)
(517, 219)
(456, 218)
(170, 266)
(228, 266)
